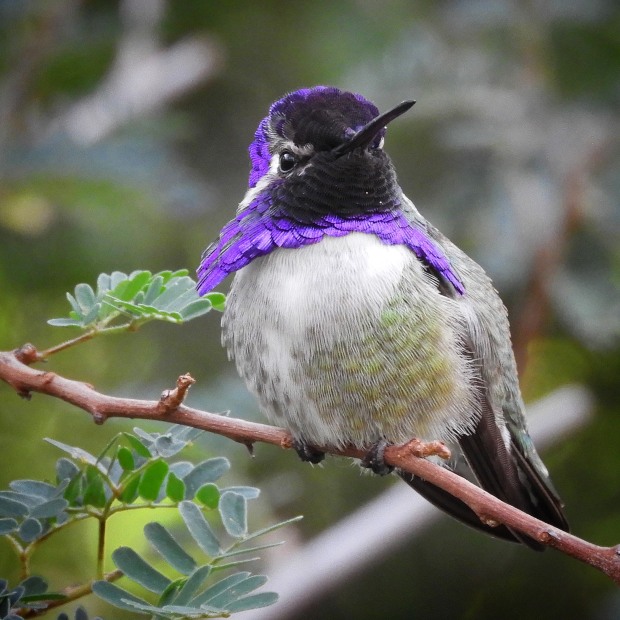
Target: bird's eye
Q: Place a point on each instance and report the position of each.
(287, 161)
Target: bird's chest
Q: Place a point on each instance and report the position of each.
(345, 340)
(306, 298)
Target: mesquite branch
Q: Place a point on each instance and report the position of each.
(16, 371)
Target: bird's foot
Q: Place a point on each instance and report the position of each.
(307, 453)
(374, 459)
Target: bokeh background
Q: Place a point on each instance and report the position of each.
(123, 135)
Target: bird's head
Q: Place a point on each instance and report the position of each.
(320, 151)
(319, 170)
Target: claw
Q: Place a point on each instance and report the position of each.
(307, 453)
(374, 459)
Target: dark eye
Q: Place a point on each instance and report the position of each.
(287, 161)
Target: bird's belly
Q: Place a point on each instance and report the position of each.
(349, 341)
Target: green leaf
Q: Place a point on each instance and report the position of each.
(129, 494)
(149, 438)
(228, 596)
(166, 445)
(181, 468)
(192, 612)
(29, 500)
(195, 309)
(30, 529)
(169, 297)
(85, 297)
(217, 589)
(92, 315)
(207, 471)
(153, 290)
(7, 526)
(116, 277)
(65, 469)
(128, 289)
(77, 311)
(125, 458)
(253, 601)
(139, 570)
(209, 495)
(49, 509)
(138, 446)
(192, 585)
(161, 539)
(34, 487)
(74, 490)
(152, 480)
(233, 509)
(185, 433)
(103, 284)
(64, 322)
(200, 529)
(12, 508)
(116, 596)
(77, 453)
(218, 300)
(247, 492)
(175, 487)
(139, 297)
(94, 491)
(170, 592)
(33, 585)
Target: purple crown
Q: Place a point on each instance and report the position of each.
(297, 116)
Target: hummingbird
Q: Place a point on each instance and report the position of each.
(354, 321)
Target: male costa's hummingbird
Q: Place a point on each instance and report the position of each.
(355, 321)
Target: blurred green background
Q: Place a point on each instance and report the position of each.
(123, 135)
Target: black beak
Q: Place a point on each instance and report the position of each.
(365, 135)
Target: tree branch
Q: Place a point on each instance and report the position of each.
(15, 370)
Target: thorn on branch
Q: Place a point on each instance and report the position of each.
(25, 394)
(547, 536)
(98, 417)
(489, 521)
(171, 400)
(27, 354)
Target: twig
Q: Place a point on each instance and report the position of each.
(72, 593)
(26, 380)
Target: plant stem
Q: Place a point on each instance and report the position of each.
(68, 343)
(72, 594)
(101, 547)
(89, 335)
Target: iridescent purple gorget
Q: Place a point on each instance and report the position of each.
(267, 223)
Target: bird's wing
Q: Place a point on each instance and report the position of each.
(499, 451)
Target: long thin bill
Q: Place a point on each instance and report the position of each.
(365, 135)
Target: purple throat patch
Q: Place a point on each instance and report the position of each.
(255, 233)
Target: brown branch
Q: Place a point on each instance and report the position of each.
(15, 371)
